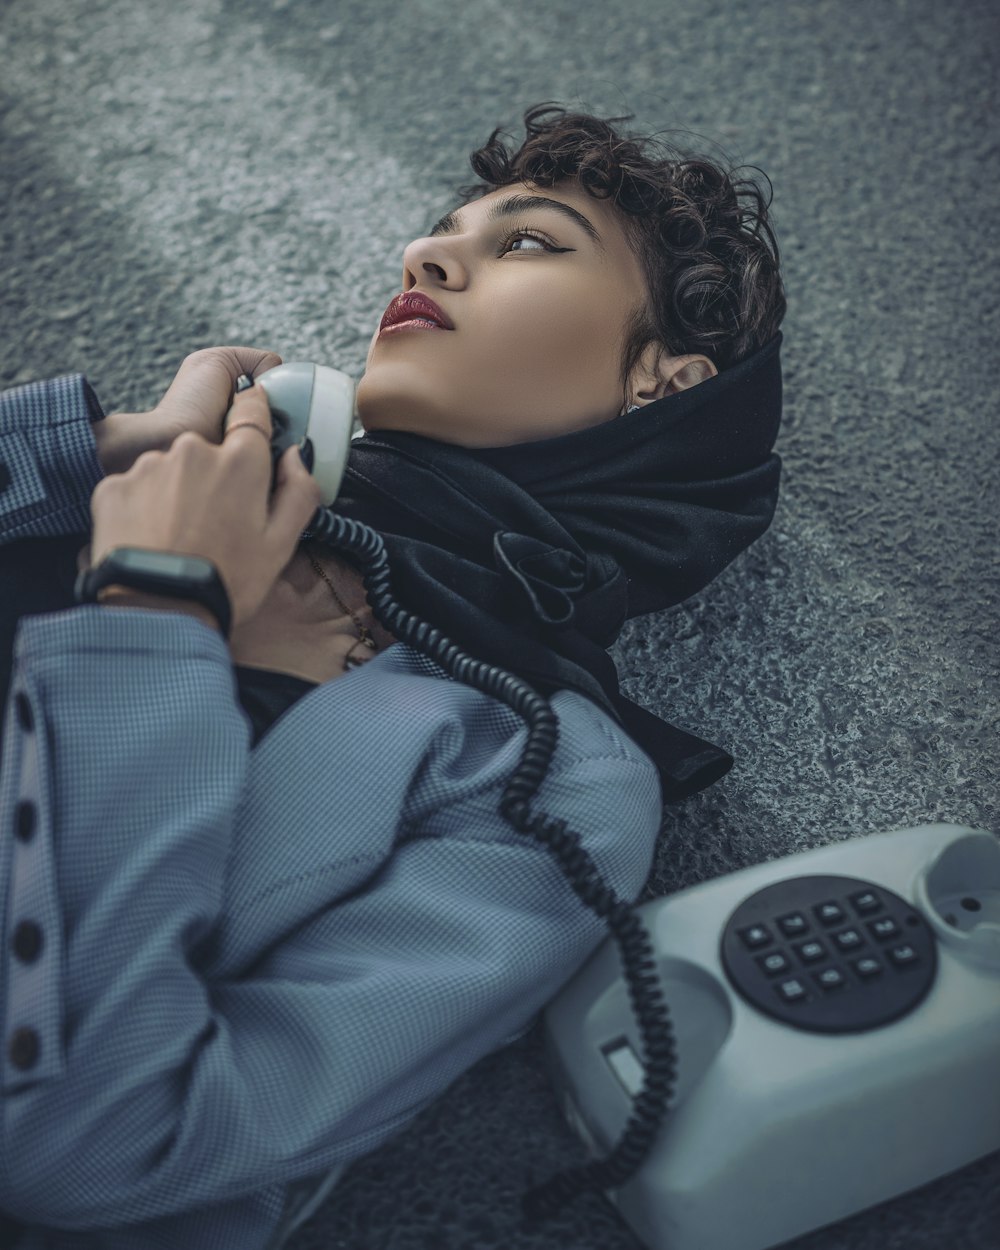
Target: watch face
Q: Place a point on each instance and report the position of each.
(167, 563)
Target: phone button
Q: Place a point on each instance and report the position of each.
(792, 991)
(810, 952)
(884, 928)
(794, 925)
(755, 936)
(774, 963)
(830, 979)
(830, 913)
(868, 966)
(866, 902)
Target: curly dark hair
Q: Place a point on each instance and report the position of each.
(711, 263)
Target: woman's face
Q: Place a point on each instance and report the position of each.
(538, 333)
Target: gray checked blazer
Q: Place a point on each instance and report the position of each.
(227, 970)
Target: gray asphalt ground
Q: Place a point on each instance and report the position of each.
(182, 175)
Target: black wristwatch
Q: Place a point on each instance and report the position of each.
(159, 573)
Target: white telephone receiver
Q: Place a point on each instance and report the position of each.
(312, 407)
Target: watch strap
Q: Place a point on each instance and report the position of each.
(173, 574)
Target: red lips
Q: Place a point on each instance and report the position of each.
(412, 304)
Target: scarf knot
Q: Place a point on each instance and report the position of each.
(561, 587)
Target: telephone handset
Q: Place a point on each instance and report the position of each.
(312, 408)
(837, 1016)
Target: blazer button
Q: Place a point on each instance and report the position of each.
(28, 941)
(24, 1048)
(24, 821)
(24, 716)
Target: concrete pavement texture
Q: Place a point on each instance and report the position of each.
(186, 175)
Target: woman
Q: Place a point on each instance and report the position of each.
(254, 926)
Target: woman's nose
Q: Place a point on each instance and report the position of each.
(430, 256)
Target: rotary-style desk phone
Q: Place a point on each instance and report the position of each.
(830, 1036)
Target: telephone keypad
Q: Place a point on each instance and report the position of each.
(829, 954)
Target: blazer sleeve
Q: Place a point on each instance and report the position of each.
(48, 458)
(152, 1090)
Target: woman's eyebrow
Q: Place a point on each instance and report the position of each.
(514, 205)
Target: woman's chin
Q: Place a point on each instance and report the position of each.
(386, 415)
(372, 424)
(409, 413)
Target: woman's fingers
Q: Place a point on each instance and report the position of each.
(250, 406)
(296, 497)
(199, 396)
(296, 492)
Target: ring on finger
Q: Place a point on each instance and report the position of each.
(252, 425)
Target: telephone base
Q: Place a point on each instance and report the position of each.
(837, 1021)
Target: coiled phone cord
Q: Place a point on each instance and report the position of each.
(645, 994)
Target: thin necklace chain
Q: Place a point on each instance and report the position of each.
(363, 631)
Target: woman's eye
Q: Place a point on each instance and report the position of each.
(527, 234)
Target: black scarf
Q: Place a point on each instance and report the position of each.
(533, 556)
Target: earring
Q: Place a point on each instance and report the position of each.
(632, 409)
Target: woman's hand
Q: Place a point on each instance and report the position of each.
(199, 499)
(197, 400)
(300, 630)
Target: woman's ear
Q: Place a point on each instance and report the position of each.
(658, 374)
(689, 371)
